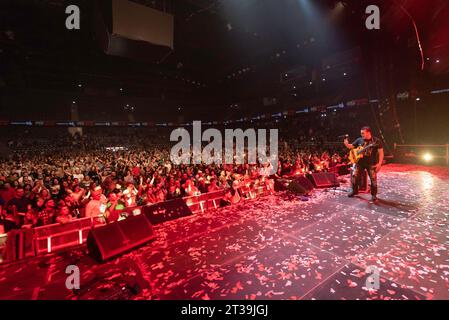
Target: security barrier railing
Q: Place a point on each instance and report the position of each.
(23, 243)
(58, 236)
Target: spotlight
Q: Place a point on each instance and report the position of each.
(73, 101)
(80, 85)
(418, 99)
(427, 157)
(345, 74)
(438, 61)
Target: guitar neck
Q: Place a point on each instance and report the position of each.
(365, 148)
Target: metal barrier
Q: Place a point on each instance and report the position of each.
(410, 151)
(204, 202)
(208, 201)
(20, 244)
(3, 237)
(58, 236)
(252, 192)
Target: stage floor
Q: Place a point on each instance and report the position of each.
(275, 247)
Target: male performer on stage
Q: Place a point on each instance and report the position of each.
(371, 161)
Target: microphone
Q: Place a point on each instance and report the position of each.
(344, 136)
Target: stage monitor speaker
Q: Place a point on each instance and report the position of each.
(300, 185)
(296, 188)
(341, 169)
(166, 211)
(325, 180)
(302, 180)
(108, 241)
(281, 184)
(137, 230)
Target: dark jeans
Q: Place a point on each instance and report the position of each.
(357, 174)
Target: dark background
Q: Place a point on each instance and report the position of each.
(228, 56)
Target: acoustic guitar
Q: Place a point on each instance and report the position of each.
(356, 154)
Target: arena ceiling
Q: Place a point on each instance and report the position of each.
(220, 47)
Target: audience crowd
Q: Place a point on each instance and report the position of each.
(74, 176)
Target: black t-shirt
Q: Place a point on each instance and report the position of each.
(371, 155)
(21, 204)
(8, 225)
